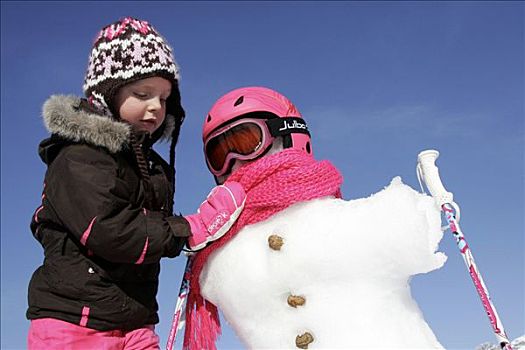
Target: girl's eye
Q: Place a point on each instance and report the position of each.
(140, 94)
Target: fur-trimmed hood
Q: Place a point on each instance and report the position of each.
(65, 117)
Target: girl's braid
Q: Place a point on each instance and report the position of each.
(143, 168)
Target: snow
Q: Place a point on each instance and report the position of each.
(350, 261)
(517, 344)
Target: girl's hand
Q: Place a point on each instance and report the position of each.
(216, 214)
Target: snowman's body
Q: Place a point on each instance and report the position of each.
(340, 279)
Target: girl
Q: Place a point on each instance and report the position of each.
(106, 215)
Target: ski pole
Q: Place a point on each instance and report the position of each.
(429, 172)
(177, 323)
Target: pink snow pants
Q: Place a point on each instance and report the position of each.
(52, 334)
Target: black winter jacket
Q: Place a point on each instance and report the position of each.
(102, 245)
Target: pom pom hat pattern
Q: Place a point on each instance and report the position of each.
(126, 51)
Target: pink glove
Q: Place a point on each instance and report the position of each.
(216, 214)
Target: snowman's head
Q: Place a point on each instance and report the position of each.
(249, 123)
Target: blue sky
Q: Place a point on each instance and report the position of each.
(378, 82)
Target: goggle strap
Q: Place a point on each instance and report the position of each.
(287, 126)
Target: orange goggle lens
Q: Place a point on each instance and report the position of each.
(243, 139)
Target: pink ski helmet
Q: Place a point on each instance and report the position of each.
(261, 112)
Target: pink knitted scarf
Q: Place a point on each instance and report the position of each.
(272, 184)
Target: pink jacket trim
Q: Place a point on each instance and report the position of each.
(36, 213)
(87, 232)
(42, 206)
(143, 255)
(85, 316)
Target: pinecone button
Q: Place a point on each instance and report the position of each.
(302, 341)
(296, 300)
(275, 242)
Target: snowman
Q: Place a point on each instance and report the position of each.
(303, 268)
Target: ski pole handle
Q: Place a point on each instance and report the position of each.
(430, 173)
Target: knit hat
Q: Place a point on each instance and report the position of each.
(126, 51)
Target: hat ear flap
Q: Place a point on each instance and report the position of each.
(175, 134)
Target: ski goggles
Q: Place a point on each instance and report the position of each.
(247, 139)
(243, 139)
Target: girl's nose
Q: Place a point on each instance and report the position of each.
(154, 103)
